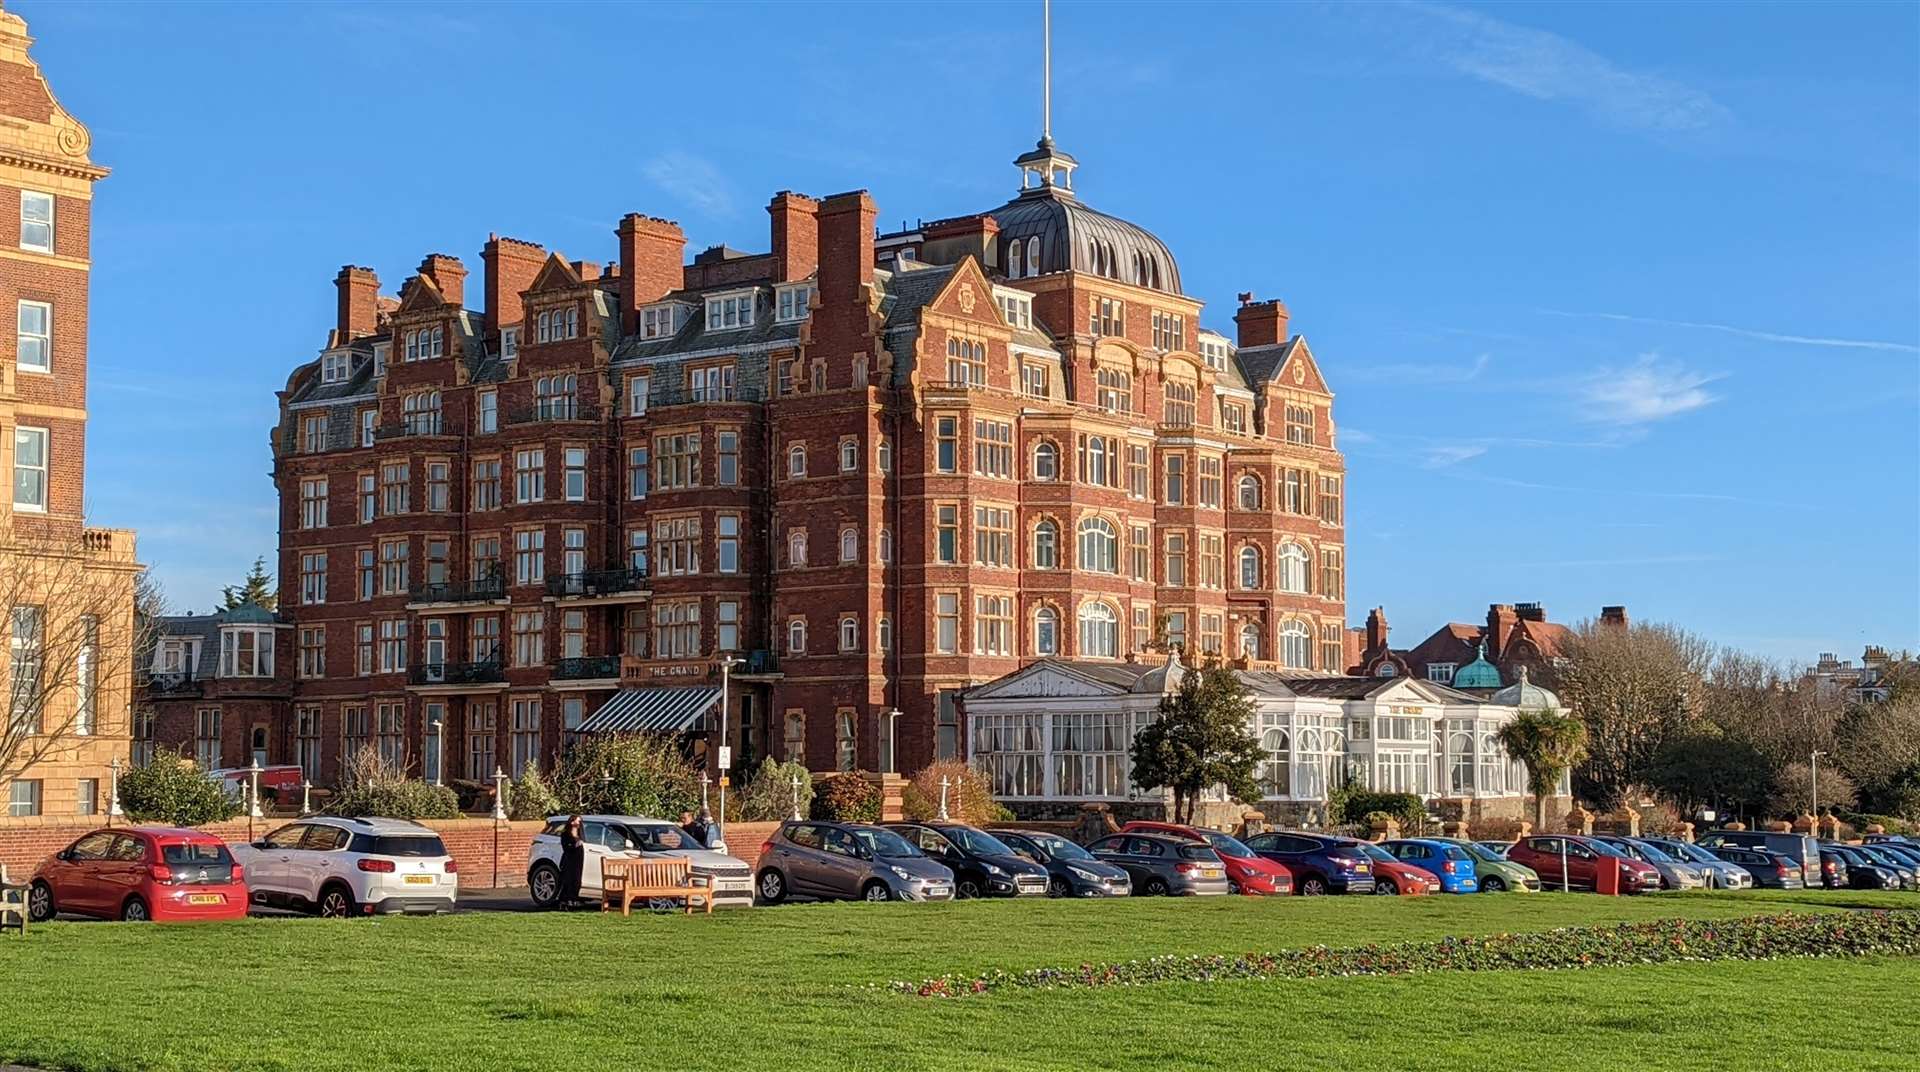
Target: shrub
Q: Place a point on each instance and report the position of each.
(370, 785)
(1406, 808)
(1893, 824)
(848, 798)
(174, 790)
(969, 794)
(529, 797)
(768, 797)
(626, 774)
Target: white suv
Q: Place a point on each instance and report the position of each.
(351, 867)
(629, 837)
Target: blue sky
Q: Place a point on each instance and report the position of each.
(1621, 302)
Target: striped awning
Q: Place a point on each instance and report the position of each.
(651, 710)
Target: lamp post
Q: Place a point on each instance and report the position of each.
(253, 793)
(113, 790)
(796, 798)
(306, 797)
(439, 747)
(893, 741)
(499, 795)
(704, 782)
(944, 783)
(1815, 767)
(727, 663)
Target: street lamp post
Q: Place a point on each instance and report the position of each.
(944, 783)
(893, 741)
(796, 798)
(306, 797)
(727, 663)
(499, 795)
(439, 747)
(1815, 767)
(113, 791)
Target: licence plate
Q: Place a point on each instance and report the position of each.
(936, 891)
(420, 880)
(206, 898)
(1364, 868)
(730, 885)
(1209, 872)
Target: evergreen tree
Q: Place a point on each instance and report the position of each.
(1548, 744)
(1203, 737)
(257, 589)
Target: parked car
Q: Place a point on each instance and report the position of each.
(982, 865)
(1450, 864)
(1719, 874)
(278, 782)
(1572, 861)
(1833, 869)
(1247, 871)
(1392, 876)
(1770, 870)
(1498, 848)
(631, 837)
(1072, 871)
(1320, 863)
(351, 867)
(1863, 871)
(1903, 853)
(1898, 839)
(1675, 873)
(1497, 873)
(1161, 865)
(1902, 868)
(138, 874)
(1801, 849)
(848, 861)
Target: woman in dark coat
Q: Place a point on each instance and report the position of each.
(573, 859)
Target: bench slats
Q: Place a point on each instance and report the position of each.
(627, 881)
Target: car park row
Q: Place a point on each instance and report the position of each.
(344, 867)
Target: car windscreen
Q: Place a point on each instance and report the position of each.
(195, 854)
(1655, 852)
(1605, 849)
(1454, 852)
(1227, 845)
(405, 845)
(1374, 852)
(1693, 854)
(977, 842)
(653, 837)
(1059, 848)
(884, 842)
(1482, 853)
(1198, 852)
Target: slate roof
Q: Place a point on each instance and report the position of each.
(1261, 364)
(1068, 230)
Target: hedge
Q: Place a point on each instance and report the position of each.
(1836, 934)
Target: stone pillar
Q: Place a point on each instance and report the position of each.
(1829, 827)
(1735, 826)
(892, 788)
(1683, 832)
(1803, 823)
(1525, 829)
(1251, 823)
(1460, 829)
(1627, 821)
(1778, 826)
(1382, 827)
(1096, 820)
(1579, 821)
(1875, 828)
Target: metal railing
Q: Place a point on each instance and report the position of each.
(473, 673)
(558, 409)
(176, 685)
(492, 586)
(418, 425)
(597, 583)
(590, 668)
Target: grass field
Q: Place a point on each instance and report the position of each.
(785, 988)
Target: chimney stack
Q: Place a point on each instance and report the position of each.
(1614, 616)
(1376, 632)
(449, 275)
(1501, 619)
(1261, 323)
(359, 303)
(653, 255)
(796, 236)
(511, 266)
(846, 245)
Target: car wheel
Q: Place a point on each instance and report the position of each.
(1493, 884)
(876, 891)
(336, 902)
(543, 883)
(1156, 887)
(1057, 887)
(1313, 886)
(40, 905)
(135, 911)
(1386, 888)
(967, 889)
(773, 886)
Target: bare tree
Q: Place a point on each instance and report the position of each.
(1634, 688)
(67, 607)
(1775, 708)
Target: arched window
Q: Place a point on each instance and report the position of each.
(1249, 492)
(1099, 631)
(886, 545)
(1099, 546)
(1014, 258)
(1292, 568)
(1278, 780)
(1296, 646)
(796, 461)
(1046, 461)
(1250, 567)
(1033, 255)
(797, 637)
(797, 547)
(1046, 632)
(1250, 640)
(1046, 545)
(849, 545)
(886, 455)
(849, 456)
(1460, 763)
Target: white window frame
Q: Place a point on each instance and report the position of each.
(37, 197)
(792, 303)
(22, 337)
(44, 468)
(732, 311)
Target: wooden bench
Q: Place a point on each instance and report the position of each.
(13, 904)
(627, 881)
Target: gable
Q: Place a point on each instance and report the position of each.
(556, 274)
(420, 293)
(968, 296)
(1042, 680)
(1301, 372)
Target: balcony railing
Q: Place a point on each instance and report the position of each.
(176, 685)
(492, 586)
(480, 673)
(597, 583)
(417, 425)
(588, 669)
(761, 661)
(553, 410)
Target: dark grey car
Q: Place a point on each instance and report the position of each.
(1164, 865)
(848, 861)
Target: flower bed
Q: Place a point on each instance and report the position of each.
(1848, 934)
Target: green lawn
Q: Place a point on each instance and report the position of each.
(783, 988)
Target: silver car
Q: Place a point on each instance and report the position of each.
(1675, 874)
(848, 861)
(630, 837)
(1720, 874)
(1161, 865)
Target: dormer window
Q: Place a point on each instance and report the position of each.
(1214, 351)
(1169, 331)
(792, 302)
(510, 342)
(246, 653)
(426, 343)
(727, 312)
(556, 325)
(381, 352)
(335, 367)
(1015, 306)
(1108, 316)
(662, 321)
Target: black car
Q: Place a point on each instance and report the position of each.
(1072, 871)
(1899, 865)
(983, 865)
(1320, 863)
(1799, 848)
(1771, 870)
(1863, 871)
(1907, 855)
(1833, 869)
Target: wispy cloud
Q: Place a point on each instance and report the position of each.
(692, 179)
(1592, 563)
(1750, 333)
(1636, 493)
(1547, 66)
(1418, 374)
(1646, 391)
(1441, 455)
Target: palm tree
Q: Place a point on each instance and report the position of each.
(1549, 745)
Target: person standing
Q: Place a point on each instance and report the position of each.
(693, 828)
(573, 860)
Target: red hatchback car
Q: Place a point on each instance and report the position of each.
(1395, 877)
(1585, 861)
(141, 873)
(1249, 873)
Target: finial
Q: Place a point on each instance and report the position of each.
(1046, 69)
(1523, 675)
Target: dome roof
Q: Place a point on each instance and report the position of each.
(248, 614)
(1478, 674)
(1526, 696)
(1073, 236)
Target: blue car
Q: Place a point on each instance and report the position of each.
(1321, 863)
(1449, 863)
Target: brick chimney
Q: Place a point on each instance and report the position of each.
(1261, 323)
(1614, 616)
(511, 266)
(846, 244)
(796, 235)
(950, 241)
(653, 255)
(1376, 632)
(1501, 619)
(358, 290)
(449, 275)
